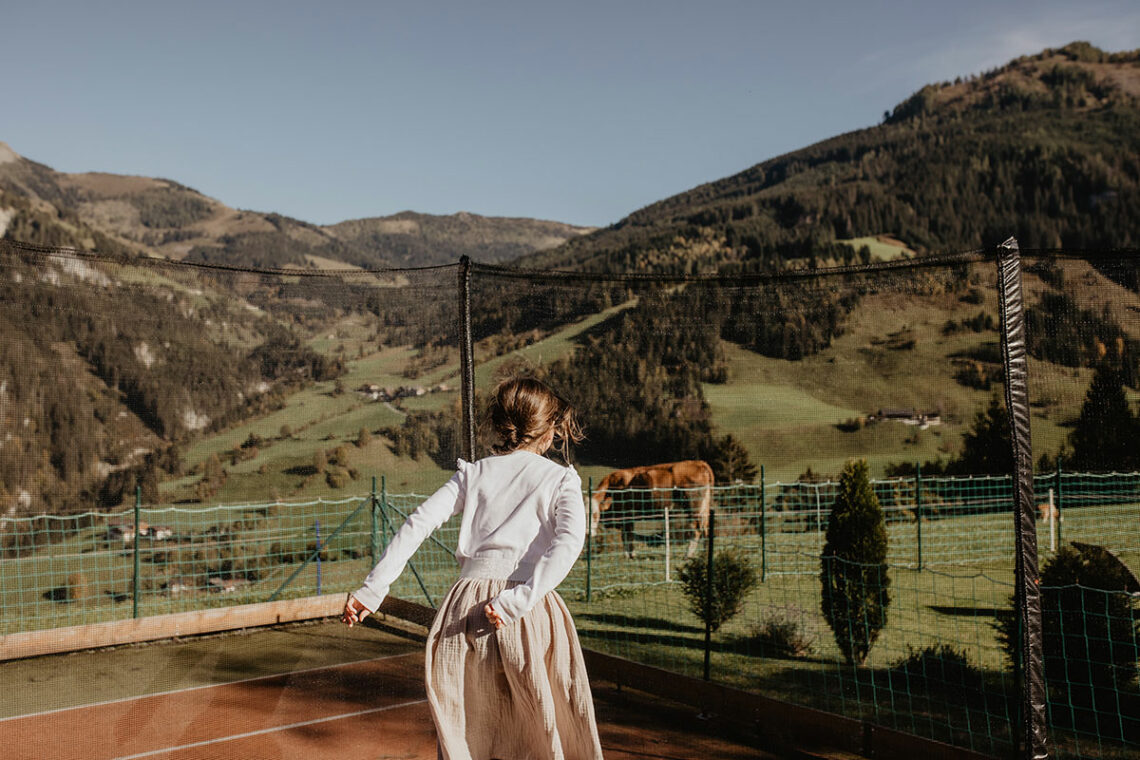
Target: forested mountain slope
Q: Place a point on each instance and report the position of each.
(1046, 148)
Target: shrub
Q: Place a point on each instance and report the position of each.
(941, 669)
(731, 461)
(1089, 633)
(732, 578)
(781, 634)
(853, 565)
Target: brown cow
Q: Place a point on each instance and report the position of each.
(688, 483)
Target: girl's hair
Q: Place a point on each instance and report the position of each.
(523, 409)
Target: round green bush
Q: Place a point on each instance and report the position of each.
(733, 576)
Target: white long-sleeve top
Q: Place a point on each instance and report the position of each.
(523, 520)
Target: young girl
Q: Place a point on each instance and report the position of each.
(505, 675)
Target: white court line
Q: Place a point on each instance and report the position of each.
(262, 732)
(207, 686)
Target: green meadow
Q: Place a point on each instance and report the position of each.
(893, 353)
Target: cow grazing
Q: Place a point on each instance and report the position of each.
(636, 492)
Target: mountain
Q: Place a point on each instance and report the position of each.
(411, 239)
(108, 367)
(160, 217)
(1046, 148)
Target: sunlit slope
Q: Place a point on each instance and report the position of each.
(319, 419)
(895, 353)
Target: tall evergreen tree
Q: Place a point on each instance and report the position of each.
(986, 446)
(1107, 435)
(854, 565)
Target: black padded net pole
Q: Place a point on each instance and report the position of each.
(1033, 728)
(466, 358)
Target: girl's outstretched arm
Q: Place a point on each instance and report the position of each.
(434, 512)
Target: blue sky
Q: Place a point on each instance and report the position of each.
(579, 111)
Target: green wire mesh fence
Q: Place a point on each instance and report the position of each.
(939, 667)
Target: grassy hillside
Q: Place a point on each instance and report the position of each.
(411, 239)
(894, 352)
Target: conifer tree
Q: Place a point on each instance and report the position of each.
(1107, 433)
(986, 446)
(854, 565)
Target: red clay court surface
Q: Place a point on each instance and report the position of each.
(363, 710)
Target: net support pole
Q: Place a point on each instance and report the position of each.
(1032, 731)
(466, 359)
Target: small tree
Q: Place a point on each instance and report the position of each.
(363, 438)
(986, 448)
(854, 565)
(732, 578)
(731, 461)
(1105, 437)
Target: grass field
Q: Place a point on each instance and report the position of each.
(883, 247)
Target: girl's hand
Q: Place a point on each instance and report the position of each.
(354, 611)
(494, 617)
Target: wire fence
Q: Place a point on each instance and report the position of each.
(939, 668)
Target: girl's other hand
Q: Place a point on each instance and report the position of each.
(494, 617)
(354, 611)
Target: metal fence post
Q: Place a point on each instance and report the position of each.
(1060, 503)
(384, 508)
(918, 510)
(709, 593)
(138, 534)
(589, 532)
(374, 533)
(317, 531)
(763, 531)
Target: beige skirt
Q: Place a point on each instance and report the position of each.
(519, 693)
